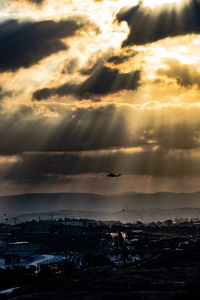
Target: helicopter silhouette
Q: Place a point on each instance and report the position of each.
(114, 175)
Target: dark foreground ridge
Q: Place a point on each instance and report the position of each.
(171, 277)
(77, 259)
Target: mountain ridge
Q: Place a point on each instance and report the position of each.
(32, 202)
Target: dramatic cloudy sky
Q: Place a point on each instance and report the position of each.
(92, 87)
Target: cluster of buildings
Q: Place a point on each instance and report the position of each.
(89, 242)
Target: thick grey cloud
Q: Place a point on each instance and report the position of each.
(149, 25)
(83, 142)
(94, 129)
(119, 59)
(77, 130)
(49, 166)
(24, 44)
(102, 81)
(185, 75)
(37, 1)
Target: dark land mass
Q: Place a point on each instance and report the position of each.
(100, 260)
(82, 201)
(172, 276)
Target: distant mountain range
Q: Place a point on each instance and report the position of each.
(103, 204)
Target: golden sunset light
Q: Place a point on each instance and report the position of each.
(110, 83)
(154, 3)
(100, 149)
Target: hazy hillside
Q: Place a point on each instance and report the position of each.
(29, 203)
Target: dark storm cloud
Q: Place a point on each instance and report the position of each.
(98, 60)
(185, 75)
(24, 44)
(101, 82)
(180, 136)
(83, 142)
(149, 25)
(77, 130)
(117, 60)
(94, 129)
(49, 166)
(37, 2)
(121, 58)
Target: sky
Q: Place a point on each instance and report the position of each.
(93, 87)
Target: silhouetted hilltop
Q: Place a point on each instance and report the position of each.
(93, 202)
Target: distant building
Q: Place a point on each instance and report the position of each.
(80, 223)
